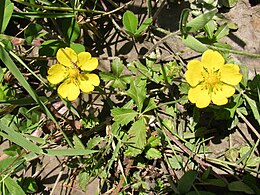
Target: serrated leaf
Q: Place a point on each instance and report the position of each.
(123, 116)
(130, 22)
(194, 44)
(186, 181)
(151, 105)
(137, 137)
(117, 67)
(239, 186)
(200, 21)
(153, 153)
(107, 76)
(144, 26)
(254, 107)
(84, 178)
(93, 142)
(137, 92)
(77, 143)
(6, 11)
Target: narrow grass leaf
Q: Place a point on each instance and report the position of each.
(239, 186)
(69, 152)
(19, 139)
(6, 10)
(13, 187)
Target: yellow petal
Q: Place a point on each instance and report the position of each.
(93, 79)
(86, 62)
(69, 89)
(83, 57)
(88, 81)
(219, 97)
(194, 73)
(230, 74)
(57, 73)
(66, 56)
(86, 86)
(212, 60)
(199, 96)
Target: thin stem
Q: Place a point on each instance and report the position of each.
(248, 124)
(234, 51)
(59, 8)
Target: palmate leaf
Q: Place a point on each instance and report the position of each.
(137, 138)
(137, 92)
(123, 116)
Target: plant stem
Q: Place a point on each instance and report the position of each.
(234, 51)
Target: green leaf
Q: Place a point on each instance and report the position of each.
(153, 153)
(117, 67)
(229, 3)
(71, 29)
(183, 21)
(154, 141)
(19, 139)
(107, 76)
(176, 162)
(186, 181)
(13, 187)
(210, 28)
(137, 138)
(200, 21)
(231, 154)
(93, 142)
(77, 47)
(222, 31)
(137, 92)
(6, 11)
(31, 32)
(215, 182)
(69, 152)
(200, 193)
(123, 116)
(29, 185)
(239, 186)
(130, 22)
(50, 47)
(151, 105)
(144, 26)
(77, 142)
(194, 44)
(84, 178)
(254, 107)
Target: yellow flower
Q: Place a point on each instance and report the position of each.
(73, 71)
(211, 79)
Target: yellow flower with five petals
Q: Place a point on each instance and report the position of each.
(211, 79)
(73, 71)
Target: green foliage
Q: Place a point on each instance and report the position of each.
(137, 132)
(6, 11)
(130, 22)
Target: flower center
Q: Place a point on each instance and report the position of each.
(211, 79)
(73, 72)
